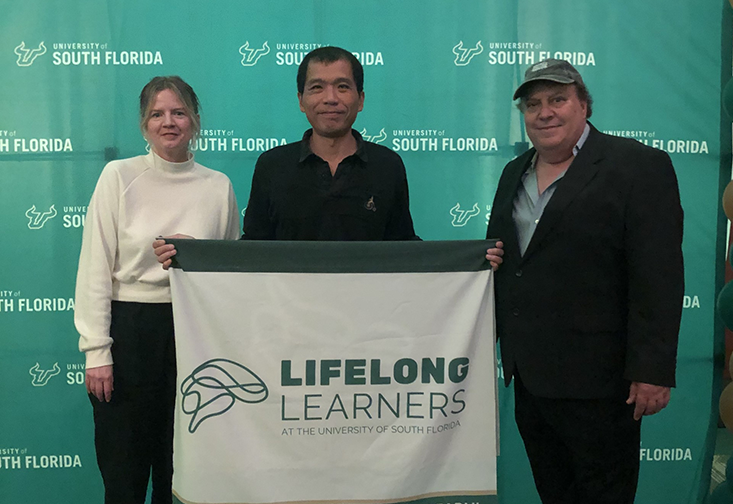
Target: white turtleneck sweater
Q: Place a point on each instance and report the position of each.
(135, 201)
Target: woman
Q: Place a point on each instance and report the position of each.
(123, 311)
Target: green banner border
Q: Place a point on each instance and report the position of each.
(331, 257)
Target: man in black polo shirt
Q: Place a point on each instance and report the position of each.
(331, 185)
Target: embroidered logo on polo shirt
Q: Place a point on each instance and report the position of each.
(369, 205)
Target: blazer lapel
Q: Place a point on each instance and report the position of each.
(582, 170)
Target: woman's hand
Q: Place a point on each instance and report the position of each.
(100, 383)
(164, 251)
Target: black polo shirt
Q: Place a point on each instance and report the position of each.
(295, 197)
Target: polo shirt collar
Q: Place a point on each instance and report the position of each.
(305, 146)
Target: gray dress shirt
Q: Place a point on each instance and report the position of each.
(529, 204)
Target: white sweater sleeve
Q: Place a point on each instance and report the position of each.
(233, 231)
(92, 313)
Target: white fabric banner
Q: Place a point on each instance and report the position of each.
(359, 387)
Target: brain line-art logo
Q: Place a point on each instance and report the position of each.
(41, 376)
(36, 219)
(463, 55)
(251, 56)
(215, 386)
(26, 57)
(374, 138)
(461, 217)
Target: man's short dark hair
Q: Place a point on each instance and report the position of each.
(331, 54)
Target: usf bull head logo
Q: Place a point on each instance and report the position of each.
(374, 138)
(36, 219)
(215, 386)
(41, 376)
(251, 56)
(27, 56)
(464, 55)
(461, 217)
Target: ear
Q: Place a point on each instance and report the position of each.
(361, 101)
(300, 101)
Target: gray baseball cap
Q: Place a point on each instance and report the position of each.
(554, 70)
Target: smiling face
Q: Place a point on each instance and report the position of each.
(554, 117)
(330, 99)
(168, 127)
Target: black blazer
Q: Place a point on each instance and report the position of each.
(596, 300)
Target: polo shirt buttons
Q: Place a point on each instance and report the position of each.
(515, 312)
(518, 273)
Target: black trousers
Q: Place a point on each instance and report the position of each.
(581, 451)
(133, 433)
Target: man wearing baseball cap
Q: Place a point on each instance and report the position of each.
(589, 297)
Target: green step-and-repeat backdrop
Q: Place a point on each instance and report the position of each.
(439, 77)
